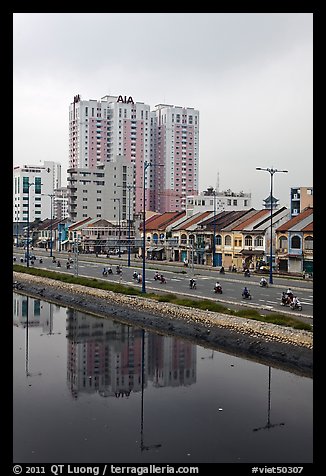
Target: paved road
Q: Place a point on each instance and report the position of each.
(178, 277)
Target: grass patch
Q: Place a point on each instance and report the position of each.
(202, 304)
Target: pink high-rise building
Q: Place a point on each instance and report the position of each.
(175, 149)
(117, 127)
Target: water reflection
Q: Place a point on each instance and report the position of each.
(268, 423)
(114, 359)
(143, 397)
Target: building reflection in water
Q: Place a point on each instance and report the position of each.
(114, 359)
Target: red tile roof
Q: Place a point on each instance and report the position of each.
(309, 227)
(295, 220)
(259, 214)
(160, 222)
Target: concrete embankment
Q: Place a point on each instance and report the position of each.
(269, 344)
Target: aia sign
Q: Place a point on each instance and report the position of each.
(124, 100)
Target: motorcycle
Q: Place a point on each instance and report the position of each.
(135, 275)
(296, 306)
(218, 290)
(58, 264)
(41, 261)
(246, 295)
(263, 284)
(157, 277)
(285, 300)
(222, 270)
(110, 271)
(104, 272)
(247, 273)
(192, 284)
(162, 279)
(68, 265)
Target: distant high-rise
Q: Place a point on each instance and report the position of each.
(102, 131)
(175, 151)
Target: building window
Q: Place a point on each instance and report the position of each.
(295, 242)
(248, 240)
(227, 240)
(308, 243)
(259, 241)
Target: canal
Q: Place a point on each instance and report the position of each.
(93, 390)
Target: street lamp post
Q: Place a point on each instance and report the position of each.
(129, 187)
(146, 165)
(271, 172)
(51, 195)
(17, 208)
(214, 232)
(119, 224)
(27, 244)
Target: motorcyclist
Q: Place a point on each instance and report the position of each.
(289, 293)
(58, 264)
(222, 270)
(245, 292)
(110, 270)
(135, 275)
(263, 281)
(296, 302)
(156, 276)
(247, 272)
(162, 278)
(217, 286)
(192, 283)
(139, 278)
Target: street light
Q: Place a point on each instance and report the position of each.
(118, 199)
(214, 232)
(271, 172)
(16, 208)
(146, 165)
(51, 195)
(129, 187)
(27, 244)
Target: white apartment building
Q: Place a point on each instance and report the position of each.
(209, 200)
(33, 186)
(117, 127)
(101, 192)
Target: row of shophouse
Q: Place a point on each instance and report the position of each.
(230, 238)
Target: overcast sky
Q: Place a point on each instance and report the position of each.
(250, 75)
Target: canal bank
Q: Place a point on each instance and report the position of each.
(270, 344)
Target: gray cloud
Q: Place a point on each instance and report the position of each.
(250, 76)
